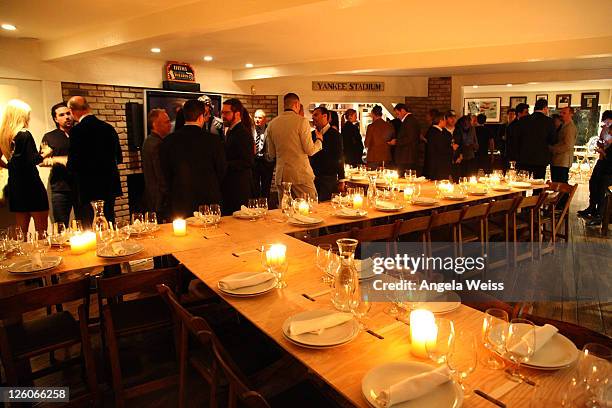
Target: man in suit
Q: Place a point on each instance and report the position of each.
(290, 142)
(193, 164)
(563, 150)
(92, 160)
(513, 131)
(160, 125)
(486, 143)
(439, 149)
(501, 139)
(534, 140)
(263, 169)
(213, 124)
(378, 134)
(237, 186)
(407, 142)
(351, 139)
(327, 164)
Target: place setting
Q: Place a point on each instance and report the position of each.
(320, 329)
(300, 213)
(349, 207)
(448, 191)
(33, 258)
(256, 209)
(208, 215)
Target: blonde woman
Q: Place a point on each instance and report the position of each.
(27, 196)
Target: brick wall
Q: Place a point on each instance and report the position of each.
(108, 103)
(439, 97)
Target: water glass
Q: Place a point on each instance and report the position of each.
(494, 329)
(262, 205)
(151, 223)
(123, 230)
(215, 213)
(253, 206)
(76, 226)
(360, 304)
(462, 357)
(138, 222)
(445, 337)
(519, 345)
(322, 260)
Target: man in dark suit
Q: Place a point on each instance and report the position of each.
(263, 168)
(351, 139)
(328, 163)
(237, 186)
(486, 143)
(92, 160)
(439, 149)
(513, 132)
(193, 164)
(160, 126)
(407, 142)
(535, 139)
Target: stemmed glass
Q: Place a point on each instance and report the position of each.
(360, 304)
(15, 235)
(519, 345)
(151, 223)
(76, 226)
(123, 230)
(262, 206)
(59, 235)
(253, 206)
(462, 357)
(445, 337)
(592, 378)
(323, 259)
(494, 329)
(274, 260)
(138, 223)
(215, 214)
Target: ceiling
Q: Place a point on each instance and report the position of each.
(300, 37)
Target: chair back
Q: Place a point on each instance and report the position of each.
(329, 238)
(386, 232)
(579, 335)
(475, 211)
(418, 224)
(506, 206)
(109, 288)
(452, 217)
(182, 315)
(16, 305)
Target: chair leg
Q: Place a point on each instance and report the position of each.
(113, 351)
(184, 339)
(90, 365)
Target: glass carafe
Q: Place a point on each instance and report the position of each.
(286, 200)
(372, 192)
(346, 279)
(99, 223)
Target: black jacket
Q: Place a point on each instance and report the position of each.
(237, 186)
(513, 132)
(193, 165)
(352, 144)
(408, 139)
(93, 158)
(438, 154)
(328, 161)
(535, 136)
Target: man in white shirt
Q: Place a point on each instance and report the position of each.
(289, 141)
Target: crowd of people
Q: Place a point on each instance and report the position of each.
(228, 160)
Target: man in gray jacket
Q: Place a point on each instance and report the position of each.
(563, 150)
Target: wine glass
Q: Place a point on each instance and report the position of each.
(462, 357)
(445, 336)
(322, 260)
(151, 223)
(332, 265)
(59, 235)
(123, 230)
(44, 242)
(494, 329)
(274, 260)
(336, 201)
(519, 345)
(138, 223)
(4, 250)
(252, 205)
(262, 206)
(594, 372)
(360, 304)
(215, 213)
(77, 226)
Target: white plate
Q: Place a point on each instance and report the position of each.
(558, 352)
(477, 192)
(520, 184)
(254, 290)
(293, 221)
(539, 182)
(341, 214)
(455, 197)
(333, 336)
(447, 395)
(131, 248)
(501, 188)
(242, 216)
(420, 180)
(425, 201)
(445, 303)
(134, 232)
(397, 207)
(25, 266)
(359, 178)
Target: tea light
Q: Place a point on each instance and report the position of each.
(81, 243)
(304, 208)
(357, 201)
(408, 193)
(276, 254)
(473, 180)
(179, 226)
(423, 331)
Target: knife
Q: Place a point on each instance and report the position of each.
(489, 398)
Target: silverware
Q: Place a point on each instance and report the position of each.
(378, 336)
(490, 399)
(308, 297)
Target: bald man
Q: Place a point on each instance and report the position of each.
(92, 160)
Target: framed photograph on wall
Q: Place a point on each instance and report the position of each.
(515, 100)
(541, 96)
(589, 100)
(563, 101)
(491, 107)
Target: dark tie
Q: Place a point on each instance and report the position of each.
(258, 142)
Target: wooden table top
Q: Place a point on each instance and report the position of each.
(341, 367)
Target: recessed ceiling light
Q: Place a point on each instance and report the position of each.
(8, 27)
(156, 50)
(474, 86)
(508, 84)
(248, 65)
(208, 58)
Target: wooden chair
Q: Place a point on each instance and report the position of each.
(387, 233)
(555, 212)
(128, 318)
(441, 221)
(329, 238)
(577, 334)
(22, 340)
(526, 219)
(471, 227)
(419, 226)
(498, 225)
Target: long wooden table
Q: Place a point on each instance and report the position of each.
(341, 367)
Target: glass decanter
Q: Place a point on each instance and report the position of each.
(99, 223)
(346, 279)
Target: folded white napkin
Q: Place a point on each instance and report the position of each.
(421, 179)
(304, 219)
(542, 335)
(386, 204)
(414, 387)
(36, 260)
(318, 324)
(248, 211)
(251, 280)
(351, 212)
(117, 248)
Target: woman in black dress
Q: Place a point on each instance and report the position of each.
(27, 196)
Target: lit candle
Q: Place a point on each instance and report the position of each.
(179, 226)
(408, 193)
(276, 254)
(423, 331)
(81, 243)
(304, 208)
(90, 239)
(357, 201)
(473, 180)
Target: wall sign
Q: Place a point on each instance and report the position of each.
(348, 86)
(589, 100)
(179, 72)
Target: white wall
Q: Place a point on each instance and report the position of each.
(604, 96)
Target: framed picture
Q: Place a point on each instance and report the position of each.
(589, 100)
(541, 96)
(563, 101)
(491, 107)
(515, 100)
